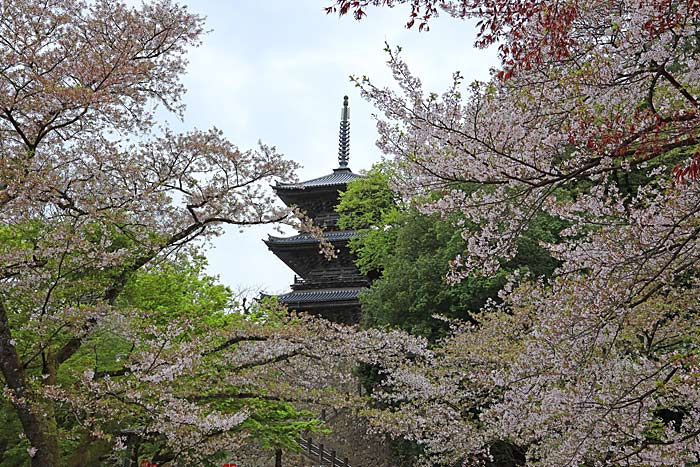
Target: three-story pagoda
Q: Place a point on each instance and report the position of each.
(329, 288)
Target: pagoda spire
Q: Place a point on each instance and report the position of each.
(344, 143)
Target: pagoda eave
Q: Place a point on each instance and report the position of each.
(323, 295)
(341, 236)
(339, 178)
(340, 304)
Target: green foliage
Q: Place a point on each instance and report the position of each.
(266, 310)
(408, 253)
(278, 424)
(411, 288)
(369, 206)
(168, 291)
(179, 288)
(13, 448)
(367, 201)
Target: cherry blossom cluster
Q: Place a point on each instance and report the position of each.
(591, 119)
(170, 387)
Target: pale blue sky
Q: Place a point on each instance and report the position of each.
(277, 70)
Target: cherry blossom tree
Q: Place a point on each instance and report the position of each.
(92, 193)
(186, 393)
(593, 118)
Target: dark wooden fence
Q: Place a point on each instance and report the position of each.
(321, 456)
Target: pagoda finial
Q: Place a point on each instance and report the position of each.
(344, 144)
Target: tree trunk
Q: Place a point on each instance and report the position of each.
(38, 421)
(41, 433)
(278, 458)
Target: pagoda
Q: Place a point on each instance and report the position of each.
(328, 288)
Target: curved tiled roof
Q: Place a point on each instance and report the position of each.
(323, 295)
(338, 177)
(306, 238)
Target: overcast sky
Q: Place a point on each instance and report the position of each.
(277, 70)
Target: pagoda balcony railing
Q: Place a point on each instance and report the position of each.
(327, 220)
(338, 282)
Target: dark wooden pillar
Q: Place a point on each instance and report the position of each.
(278, 458)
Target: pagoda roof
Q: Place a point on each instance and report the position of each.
(339, 177)
(322, 295)
(310, 239)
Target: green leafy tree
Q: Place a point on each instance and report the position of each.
(408, 253)
(164, 292)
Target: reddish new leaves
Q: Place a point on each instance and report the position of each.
(528, 31)
(689, 172)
